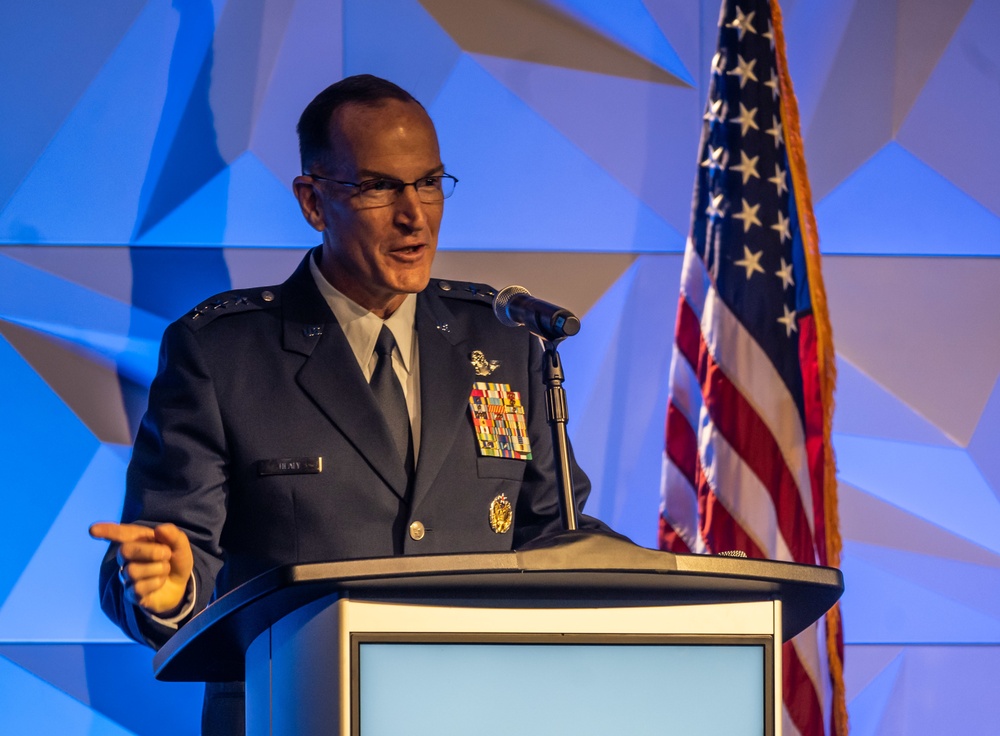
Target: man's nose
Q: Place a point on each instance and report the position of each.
(409, 209)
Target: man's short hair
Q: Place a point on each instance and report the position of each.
(314, 124)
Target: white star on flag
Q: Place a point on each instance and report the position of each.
(744, 70)
(783, 227)
(714, 208)
(788, 321)
(743, 23)
(717, 158)
(747, 166)
(746, 119)
(769, 35)
(785, 274)
(775, 130)
(773, 84)
(749, 215)
(719, 63)
(779, 179)
(717, 111)
(750, 261)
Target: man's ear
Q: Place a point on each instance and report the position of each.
(309, 201)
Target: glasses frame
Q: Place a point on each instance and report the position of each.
(401, 185)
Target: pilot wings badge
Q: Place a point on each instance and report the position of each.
(482, 366)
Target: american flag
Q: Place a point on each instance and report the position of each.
(748, 463)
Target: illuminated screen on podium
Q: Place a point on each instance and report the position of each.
(562, 684)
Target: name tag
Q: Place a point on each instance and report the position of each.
(290, 466)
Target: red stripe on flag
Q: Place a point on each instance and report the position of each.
(670, 539)
(682, 444)
(815, 452)
(688, 338)
(737, 421)
(799, 693)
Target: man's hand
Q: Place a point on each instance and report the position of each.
(154, 564)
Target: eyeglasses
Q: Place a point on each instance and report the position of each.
(383, 192)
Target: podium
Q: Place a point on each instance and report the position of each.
(581, 633)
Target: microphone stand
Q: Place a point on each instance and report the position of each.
(557, 416)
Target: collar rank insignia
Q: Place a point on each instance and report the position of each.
(482, 366)
(499, 420)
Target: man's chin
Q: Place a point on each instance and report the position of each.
(412, 280)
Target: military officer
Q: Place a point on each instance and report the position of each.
(339, 414)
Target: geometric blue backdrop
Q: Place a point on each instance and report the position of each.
(146, 155)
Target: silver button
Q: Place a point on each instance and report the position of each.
(267, 296)
(417, 531)
(444, 286)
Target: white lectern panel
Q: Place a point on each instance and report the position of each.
(428, 664)
(495, 689)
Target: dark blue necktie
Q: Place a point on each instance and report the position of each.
(389, 396)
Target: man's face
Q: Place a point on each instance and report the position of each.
(377, 255)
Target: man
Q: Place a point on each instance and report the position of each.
(329, 417)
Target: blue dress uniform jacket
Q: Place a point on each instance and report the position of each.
(263, 442)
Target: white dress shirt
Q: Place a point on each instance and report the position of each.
(362, 328)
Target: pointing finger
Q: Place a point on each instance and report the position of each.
(121, 532)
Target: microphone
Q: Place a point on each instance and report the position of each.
(515, 307)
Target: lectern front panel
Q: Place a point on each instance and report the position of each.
(361, 668)
(540, 684)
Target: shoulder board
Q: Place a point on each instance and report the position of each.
(465, 290)
(238, 301)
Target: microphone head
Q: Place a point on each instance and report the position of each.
(503, 298)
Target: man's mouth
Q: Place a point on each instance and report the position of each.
(409, 250)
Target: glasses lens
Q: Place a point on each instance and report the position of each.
(379, 192)
(435, 188)
(429, 189)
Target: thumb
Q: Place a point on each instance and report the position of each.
(181, 558)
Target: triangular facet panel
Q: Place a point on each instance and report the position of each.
(930, 482)
(244, 205)
(538, 32)
(68, 555)
(529, 166)
(896, 204)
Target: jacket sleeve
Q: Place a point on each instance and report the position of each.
(177, 474)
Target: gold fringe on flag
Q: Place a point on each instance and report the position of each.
(825, 359)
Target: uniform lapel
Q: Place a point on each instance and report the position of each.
(445, 383)
(331, 377)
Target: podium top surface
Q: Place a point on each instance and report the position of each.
(575, 569)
